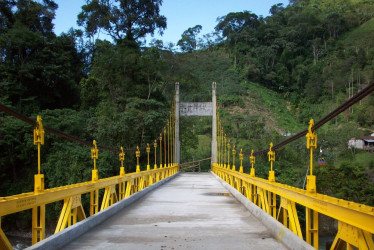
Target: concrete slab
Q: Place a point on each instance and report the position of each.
(192, 211)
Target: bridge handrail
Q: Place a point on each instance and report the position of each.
(24, 201)
(72, 210)
(352, 213)
(355, 221)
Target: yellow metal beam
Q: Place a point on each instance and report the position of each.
(20, 202)
(349, 236)
(72, 203)
(352, 213)
(110, 197)
(4, 242)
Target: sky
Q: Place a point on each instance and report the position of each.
(180, 14)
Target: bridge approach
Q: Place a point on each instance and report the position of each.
(191, 211)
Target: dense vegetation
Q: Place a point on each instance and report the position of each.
(273, 74)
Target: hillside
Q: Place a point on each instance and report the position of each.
(361, 37)
(254, 115)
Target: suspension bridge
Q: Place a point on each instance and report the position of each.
(161, 206)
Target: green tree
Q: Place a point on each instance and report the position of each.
(188, 42)
(37, 69)
(130, 19)
(236, 22)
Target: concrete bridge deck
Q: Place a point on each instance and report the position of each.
(192, 211)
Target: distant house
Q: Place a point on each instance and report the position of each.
(364, 142)
(356, 143)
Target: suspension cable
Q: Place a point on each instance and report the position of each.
(61, 134)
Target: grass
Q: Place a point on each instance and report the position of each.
(364, 159)
(273, 105)
(362, 36)
(204, 147)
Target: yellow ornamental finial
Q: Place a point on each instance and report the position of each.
(39, 131)
(311, 136)
(311, 124)
(94, 156)
(271, 153)
(137, 159)
(155, 145)
(122, 155)
(228, 154)
(252, 158)
(252, 161)
(94, 151)
(137, 152)
(241, 160)
(148, 150)
(311, 143)
(39, 140)
(233, 158)
(122, 158)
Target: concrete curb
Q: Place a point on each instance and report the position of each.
(64, 237)
(280, 232)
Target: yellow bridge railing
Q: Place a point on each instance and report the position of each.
(72, 211)
(355, 221)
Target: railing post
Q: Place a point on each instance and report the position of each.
(228, 155)
(271, 155)
(121, 187)
(219, 140)
(168, 144)
(222, 147)
(94, 195)
(224, 155)
(160, 150)
(148, 150)
(311, 143)
(241, 156)
(252, 160)
(272, 196)
(177, 141)
(38, 213)
(165, 163)
(122, 159)
(311, 215)
(172, 135)
(137, 154)
(155, 146)
(233, 158)
(214, 124)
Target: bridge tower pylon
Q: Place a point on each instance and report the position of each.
(196, 109)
